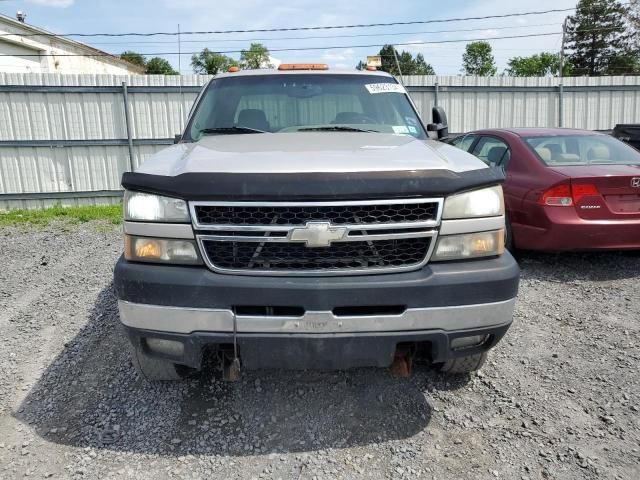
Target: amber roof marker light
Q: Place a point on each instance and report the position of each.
(233, 69)
(303, 66)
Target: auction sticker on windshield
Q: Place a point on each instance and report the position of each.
(384, 88)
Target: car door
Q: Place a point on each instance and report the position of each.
(464, 142)
(496, 153)
(493, 151)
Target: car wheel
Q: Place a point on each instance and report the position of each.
(153, 369)
(467, 364)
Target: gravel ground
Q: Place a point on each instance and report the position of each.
(558, 399)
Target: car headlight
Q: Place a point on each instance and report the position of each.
(146, 207)
(161, 250)
(486, 202)
(469, 245)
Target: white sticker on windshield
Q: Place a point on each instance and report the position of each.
(384, 88)
(400, 129)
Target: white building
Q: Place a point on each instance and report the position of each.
(28, 49)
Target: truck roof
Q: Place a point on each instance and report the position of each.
(275, 71)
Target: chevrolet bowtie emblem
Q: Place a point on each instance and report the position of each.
(317, 234)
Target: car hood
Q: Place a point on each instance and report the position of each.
(306, 152)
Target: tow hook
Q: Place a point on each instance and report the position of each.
(403, 360)
(230, 369)
(231, 366)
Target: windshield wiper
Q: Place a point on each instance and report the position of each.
(335, 128)
(231, 130)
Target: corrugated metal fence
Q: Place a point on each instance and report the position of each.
(68, 138)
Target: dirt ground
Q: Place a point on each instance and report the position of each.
(558, 399)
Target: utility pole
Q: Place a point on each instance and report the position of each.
(179, 52)
(182, 119)
(564, 34)
(560, 75)
(395, 55)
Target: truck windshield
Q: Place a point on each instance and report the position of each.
(566, 150)
(304, 102)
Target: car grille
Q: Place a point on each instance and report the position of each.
(320, 238)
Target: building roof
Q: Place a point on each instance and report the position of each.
(97, 54)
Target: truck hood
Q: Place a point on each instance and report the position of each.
(308, 152)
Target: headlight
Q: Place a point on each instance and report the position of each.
(160, 250)
(154, 208)
(486, 202)
(469, 245)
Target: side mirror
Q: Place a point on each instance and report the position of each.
(432, 131)
(439, 124)
(177, 138)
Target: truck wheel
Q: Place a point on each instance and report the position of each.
(153, 369)
(466, 364)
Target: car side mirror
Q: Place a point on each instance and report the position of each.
(439, 124)
(177, 138)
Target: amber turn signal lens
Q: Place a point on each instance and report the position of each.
(469, 245)
(163, 250)
(147, 248)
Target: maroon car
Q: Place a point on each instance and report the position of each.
(565, 189)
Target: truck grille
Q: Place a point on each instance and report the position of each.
(296, 256)
(300, 215)
(316, 238)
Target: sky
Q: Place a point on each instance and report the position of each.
(340, 48)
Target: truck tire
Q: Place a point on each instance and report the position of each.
(153, 369)
(466, 364)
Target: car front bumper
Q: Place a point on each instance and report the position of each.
(439, 303)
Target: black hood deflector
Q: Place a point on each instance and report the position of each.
(312, 186)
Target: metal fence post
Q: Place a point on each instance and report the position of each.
(436, 89)
(560, 105)
(127, 121)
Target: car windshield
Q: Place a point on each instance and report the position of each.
(304, 102)
(563, 150)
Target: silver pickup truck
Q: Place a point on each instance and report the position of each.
(305, 220)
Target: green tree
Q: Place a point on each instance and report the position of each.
(598, 39)
(210, 63)
(538, 65)
(477, 59)
(361, 65)
(134, 57)
(408, 64)
(256, 57)
(160, 66)
(421, 67)
(633, 25)
(155, 66)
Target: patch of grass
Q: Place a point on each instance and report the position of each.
(71, 215)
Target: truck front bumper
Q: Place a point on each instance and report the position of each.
(339, 322)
